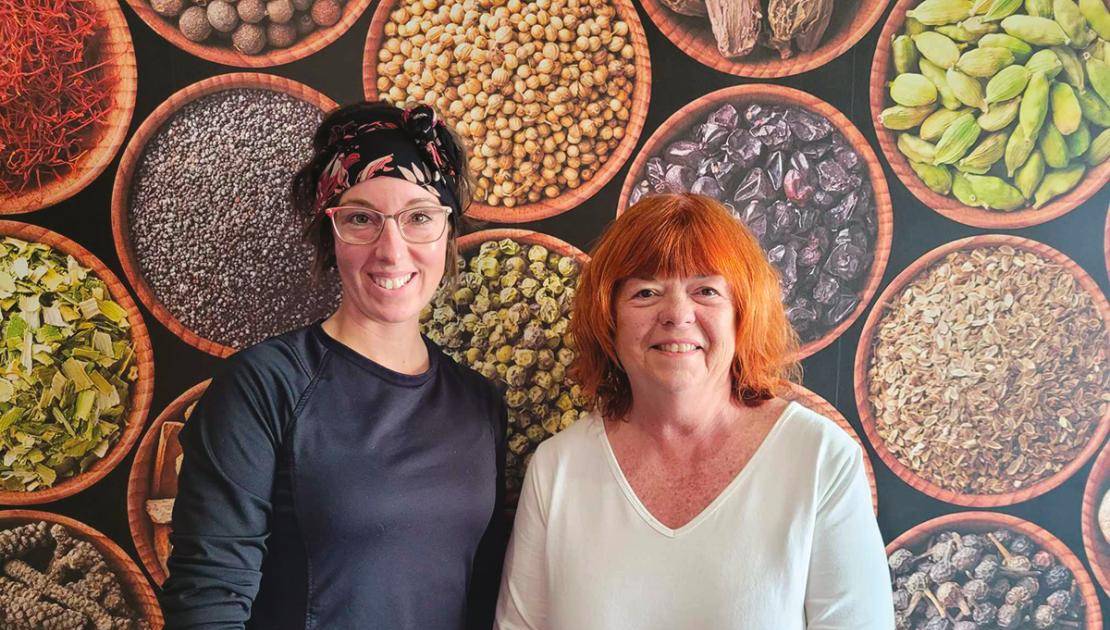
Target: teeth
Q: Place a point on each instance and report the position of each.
(677, 347)
(393, 283)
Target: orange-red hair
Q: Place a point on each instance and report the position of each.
(678, 236)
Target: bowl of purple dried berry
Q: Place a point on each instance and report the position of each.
(980, 570)
(804, 181)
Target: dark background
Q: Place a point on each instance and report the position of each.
(676, 80)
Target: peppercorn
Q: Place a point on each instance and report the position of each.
(279, 11)
(168, 8)
(222, 16)
(249, 39)
(251, 11)
(281, 35)
(326, 12)
(194, 24)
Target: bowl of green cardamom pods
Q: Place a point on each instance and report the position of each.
(995, 113)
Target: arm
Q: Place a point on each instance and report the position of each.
(491, 550)
(849, 583)
(222, 510)
(522, 603)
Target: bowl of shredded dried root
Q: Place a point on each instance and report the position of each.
(981, 373)
(60, 573)
(757, 39)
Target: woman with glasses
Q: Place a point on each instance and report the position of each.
(344, 475)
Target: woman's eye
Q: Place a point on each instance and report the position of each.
(418, 218)
(708, 291)
(643, 293)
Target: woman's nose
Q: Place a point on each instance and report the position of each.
(676, 309)
(390, 245)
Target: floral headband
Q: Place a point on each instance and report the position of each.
(414, 150)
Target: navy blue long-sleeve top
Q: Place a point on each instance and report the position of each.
(320, 489)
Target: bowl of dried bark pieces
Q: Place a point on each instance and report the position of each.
(551, 112)
(1096, 519)
(152, 485)
(60, 573)
(782, 38)
(981, 373)
(989, 570)
(813, 401)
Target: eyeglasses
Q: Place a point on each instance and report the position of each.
(358, 225)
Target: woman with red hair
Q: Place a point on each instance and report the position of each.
(694, 497)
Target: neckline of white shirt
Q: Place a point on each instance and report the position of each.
(598, 427)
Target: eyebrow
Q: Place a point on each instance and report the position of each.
(409, 204)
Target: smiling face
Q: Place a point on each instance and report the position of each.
(673, 334)
(389, 280)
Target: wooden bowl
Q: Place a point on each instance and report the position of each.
(980, 522)
(224, 53)
(141, 482)
(1106, 243)
(140, 594)
(881, 70)
(814, 402)
(693, 36)
(863, 385)
(570, 198)
(141, 390)
(691, 114)
(474, 240)
(116, 47)
(129, 164)
(1094, 544)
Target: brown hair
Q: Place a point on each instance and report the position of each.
(317, 227)
(681, 236)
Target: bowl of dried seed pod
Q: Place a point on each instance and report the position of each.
(507, 317)
(152, 485)
(800, 176)
(981, 373)
(988, 570)
(250, 33)
(1096, 519)
(981, 119)
(753, 39)
(61, 573)
(813, 401)
(550, 97)
(67, 101)
(78, 384)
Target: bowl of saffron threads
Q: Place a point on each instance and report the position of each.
(67, 92)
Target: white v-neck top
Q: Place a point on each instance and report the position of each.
(791, 542)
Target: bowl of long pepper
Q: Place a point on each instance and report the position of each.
(67, 92)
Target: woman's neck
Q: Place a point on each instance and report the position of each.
(396, 346)
(667, 416)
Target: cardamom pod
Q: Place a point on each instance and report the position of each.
(1030, 174)
(968, 90)
(1094, 108)
(980, 7)
(901, 118)
(957, 139)
(936, 74)
(1034, 105)
(912, 90)
(735, 25)
(1018, 148)
(1072, 66)
(1099, 149)
(937, 48)
(1066, 114)
(1039, 8)
(1098, 16)
(1078, 142)
(936, 178)
(1008, 83)
(1098, 71)
(1021, 50)
(1045, 61)
(932, 128)
(913, 27)
(961, 190)
(1035, 30)
(904, 53)
(957, 33)
(916, 149)
(1056, 183)
(1099, 49)
(1053, 147)
(978, 26)
(1000, 115)
(984, 62)
(985, 154)
(937, 12)
(1001, 8)
(995, 193)
(1066, 13)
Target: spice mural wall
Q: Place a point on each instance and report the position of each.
(928, 177)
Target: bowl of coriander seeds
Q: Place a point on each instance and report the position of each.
(550, 96)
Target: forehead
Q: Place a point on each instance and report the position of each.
(385, 193)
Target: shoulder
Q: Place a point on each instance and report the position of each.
(571, 445)
(819, 438)
(469, 379)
